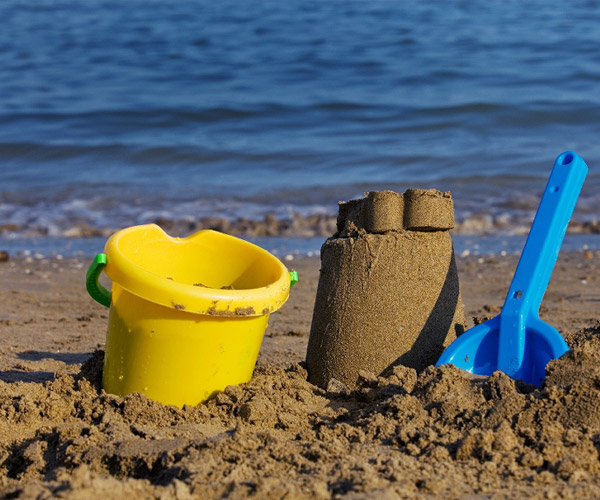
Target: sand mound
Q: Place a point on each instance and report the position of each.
(440, 432)
(388, 289)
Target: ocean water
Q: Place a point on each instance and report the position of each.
(119, 113)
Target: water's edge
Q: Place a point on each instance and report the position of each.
(287, 248)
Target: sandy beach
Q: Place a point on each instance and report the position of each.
(393, 153)
(436, 434)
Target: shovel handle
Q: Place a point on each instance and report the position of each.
(546, 234)
(538, 258)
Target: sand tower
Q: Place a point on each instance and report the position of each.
(388, 291)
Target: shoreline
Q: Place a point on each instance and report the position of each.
(286, 248)
(295, 226)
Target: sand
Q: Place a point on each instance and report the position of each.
(388, 289)
(436, 434)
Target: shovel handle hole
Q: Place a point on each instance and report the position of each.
(568, 158)
(518, 294)
(554, 189)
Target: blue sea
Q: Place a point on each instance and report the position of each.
(120, 113)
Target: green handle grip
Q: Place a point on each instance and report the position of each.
(95, 289)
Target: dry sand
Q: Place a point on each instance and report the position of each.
(437, 434)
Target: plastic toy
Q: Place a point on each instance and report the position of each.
(187, 315)
(517, 342)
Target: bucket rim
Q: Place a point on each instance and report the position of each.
(184, 297)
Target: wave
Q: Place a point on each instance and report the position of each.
(293, 212)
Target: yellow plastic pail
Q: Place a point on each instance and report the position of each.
(187, 315)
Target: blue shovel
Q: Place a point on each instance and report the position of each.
(517, 342)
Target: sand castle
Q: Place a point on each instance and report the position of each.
(388, 291)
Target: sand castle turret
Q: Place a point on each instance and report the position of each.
(388, 291)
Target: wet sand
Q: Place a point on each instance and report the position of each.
(435, 434)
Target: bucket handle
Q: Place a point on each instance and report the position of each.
(103, 296)
(94, 288)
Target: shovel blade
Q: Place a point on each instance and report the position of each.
(476, 351)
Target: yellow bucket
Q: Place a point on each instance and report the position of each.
(187, 315)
